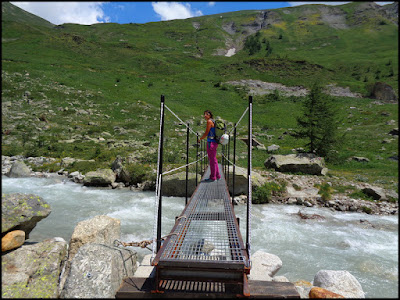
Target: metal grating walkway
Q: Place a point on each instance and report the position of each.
(205, 243)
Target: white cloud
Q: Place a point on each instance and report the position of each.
(211, 4)
(329, 3)
(85, 13)
(174, 10)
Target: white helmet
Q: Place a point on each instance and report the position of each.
(224, 139)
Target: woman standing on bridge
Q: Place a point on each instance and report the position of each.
(212, 146)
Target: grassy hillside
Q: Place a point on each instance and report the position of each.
(94, 91)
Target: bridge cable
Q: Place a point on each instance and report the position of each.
(181, 120)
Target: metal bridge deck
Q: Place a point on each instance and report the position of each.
(205, 243)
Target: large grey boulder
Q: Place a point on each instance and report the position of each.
(264, 266)
(300, 162)
(97, 271)
(383, 91)
(175, 184)
(32, 271)
(100, 177)
(339, 282)
(22, 212)
(19, 169)
(99, 229)
(241, 181)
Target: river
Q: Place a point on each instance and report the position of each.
(368, 249)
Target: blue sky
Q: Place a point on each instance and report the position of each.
(88, 13)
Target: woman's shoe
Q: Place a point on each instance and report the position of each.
(208, 180)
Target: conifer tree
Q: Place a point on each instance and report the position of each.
(318, 124)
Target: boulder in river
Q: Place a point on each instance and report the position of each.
(22, 212)
(19, 169)
(100, 177)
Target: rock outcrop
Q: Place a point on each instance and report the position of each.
(301, 162)
(32, 271)
(22, 212)
(97, 271)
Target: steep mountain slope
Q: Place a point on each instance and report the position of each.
(76, 83)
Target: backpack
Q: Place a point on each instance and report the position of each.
(220, 129)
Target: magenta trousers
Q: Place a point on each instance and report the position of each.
(212, 159)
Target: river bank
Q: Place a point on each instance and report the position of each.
(301, 190)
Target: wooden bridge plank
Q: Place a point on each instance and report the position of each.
(139, 288)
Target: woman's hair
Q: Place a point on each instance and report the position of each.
(209, 112)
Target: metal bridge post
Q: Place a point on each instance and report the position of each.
(234, 163)
(160, 165)
(197, 156)
(187, 161)
(250, 144)
(228, 163)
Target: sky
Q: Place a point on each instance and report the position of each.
(87, 13)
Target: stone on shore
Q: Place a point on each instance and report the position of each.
(12, 240)
(100, 177)
(175, 184)
(19, 169)
(22, 212)
(320, 293)
(99, 229)
(300, 162)
(264, 266)
(340, 282)
(241, 182)
(32, 271)
(97, 271)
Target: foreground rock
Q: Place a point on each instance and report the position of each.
(12, 240)
(264, 266)
(100, 177)
(22, 212)
(97, 271)
(301, 162)
(340, 282)
(99, 229)
(32, 271)
(320, 293)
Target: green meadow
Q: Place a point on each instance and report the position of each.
(105, 80)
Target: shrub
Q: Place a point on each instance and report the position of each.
(325, 190)
(263, 194)
(139, 173)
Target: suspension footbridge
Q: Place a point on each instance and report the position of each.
(204, 255)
